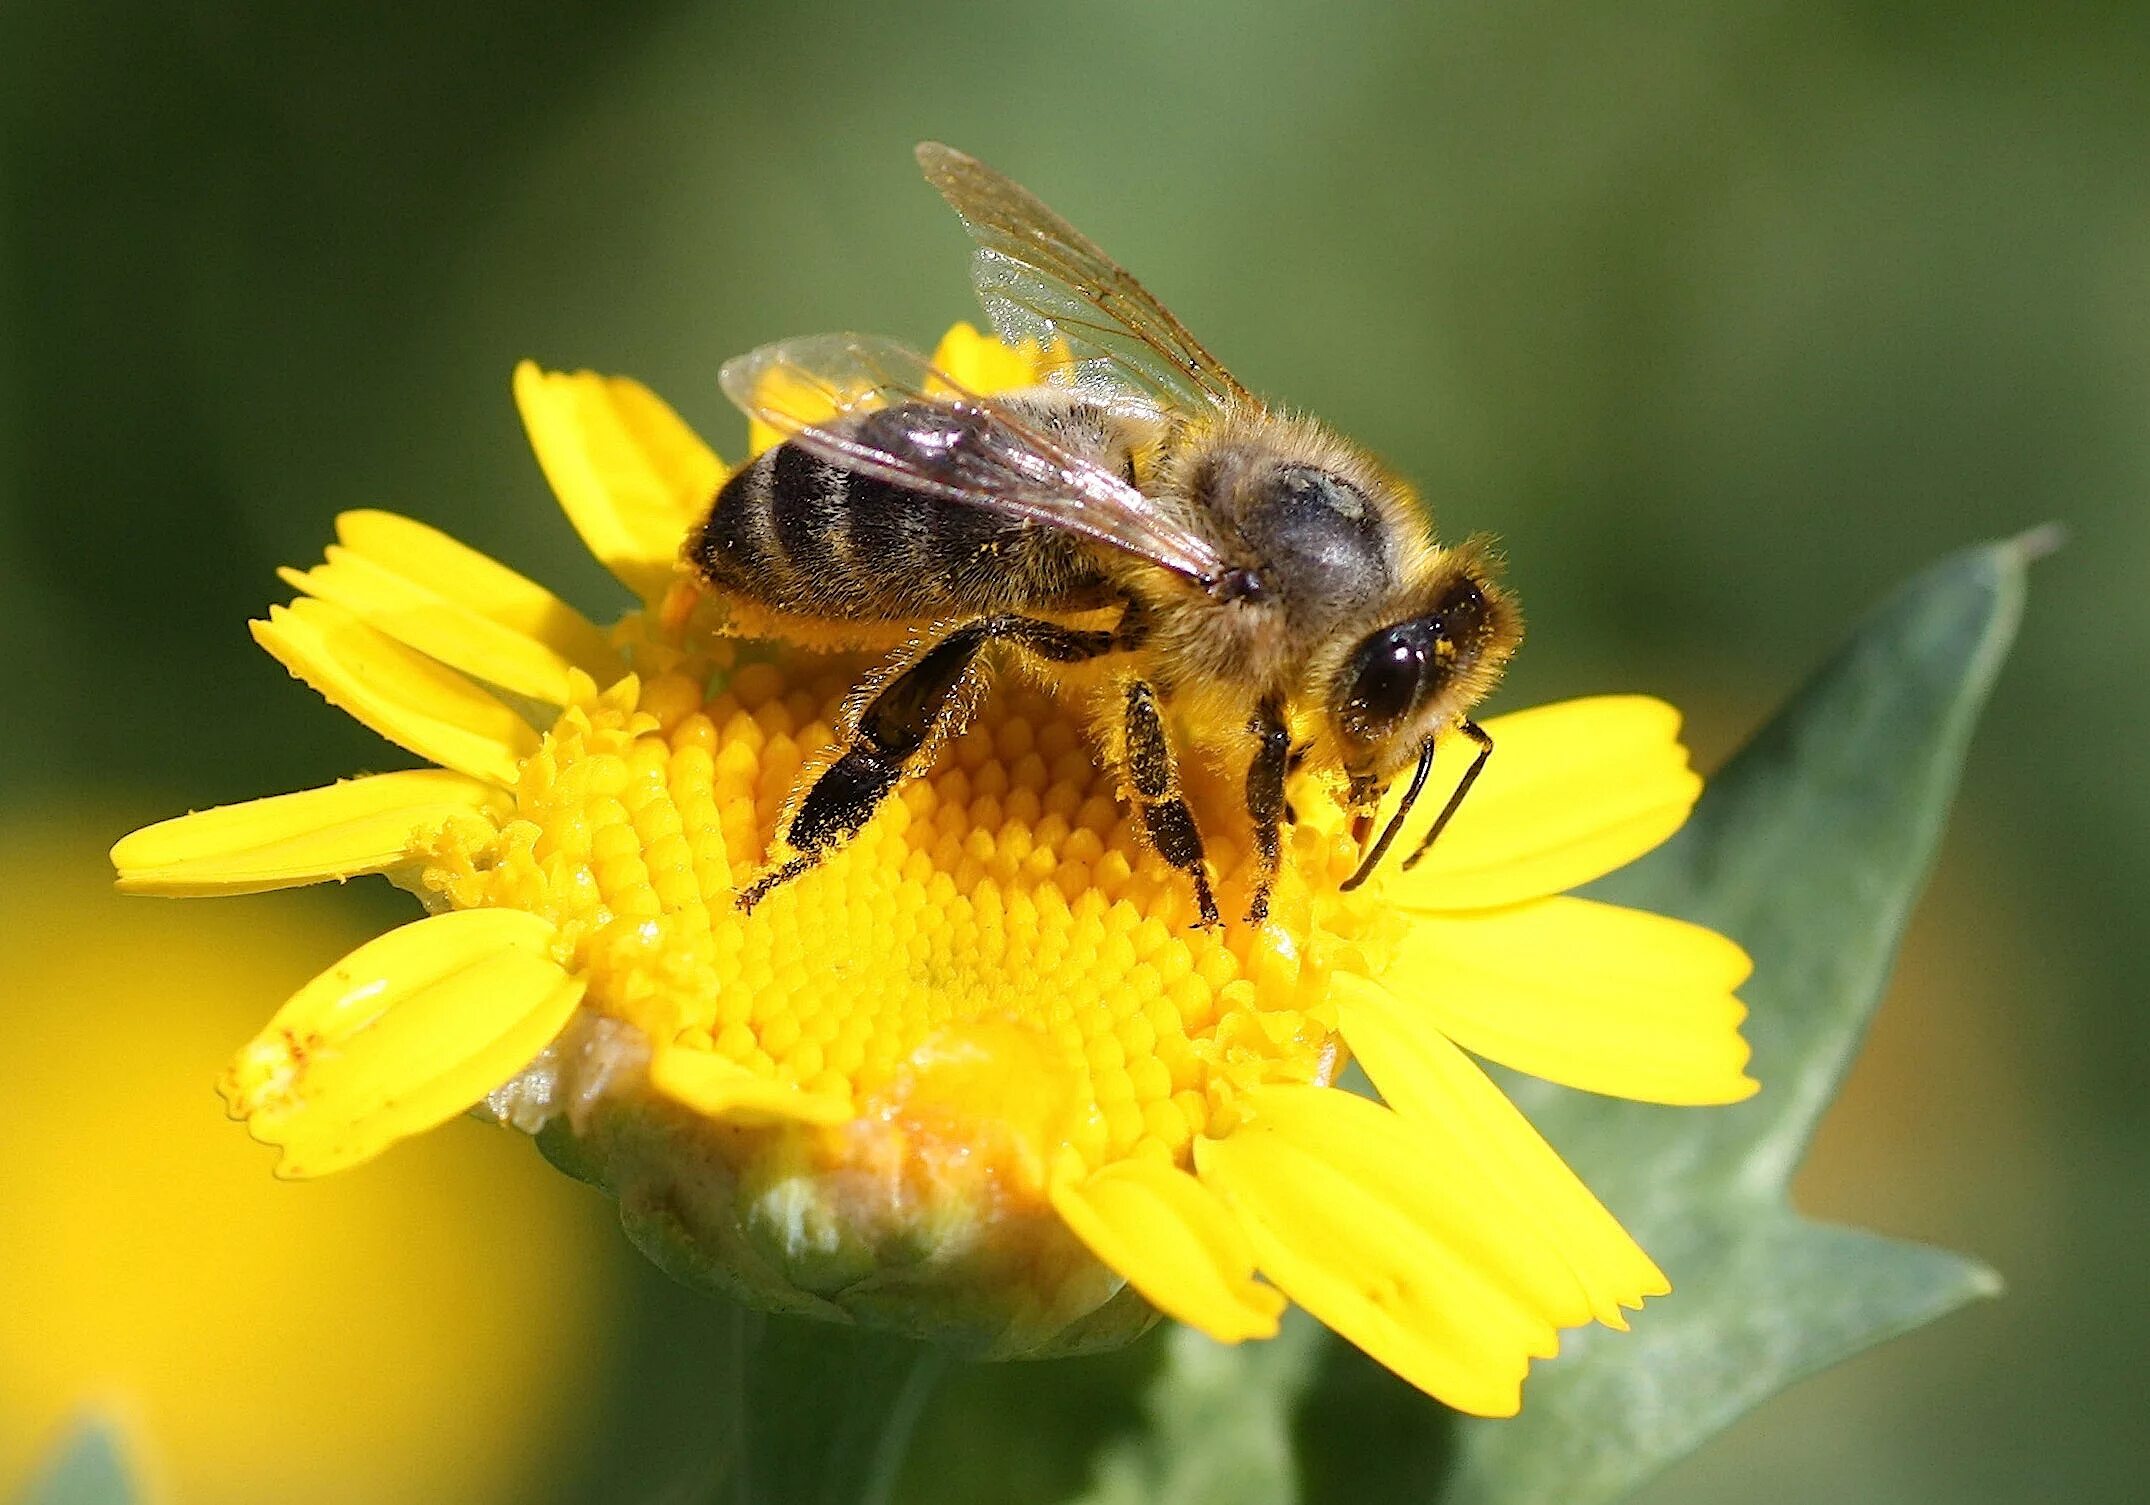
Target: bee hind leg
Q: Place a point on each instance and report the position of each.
(911, 715)
(1154, 782)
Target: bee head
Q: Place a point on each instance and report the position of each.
(1405, 682)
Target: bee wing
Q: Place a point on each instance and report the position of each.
(1042, 279)
(875, 408)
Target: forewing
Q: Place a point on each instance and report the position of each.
(875, 408)
(1042, 279)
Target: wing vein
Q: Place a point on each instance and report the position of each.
(1035, 272)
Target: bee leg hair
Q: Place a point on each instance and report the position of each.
(1154, 781)
(917, 708)
(1265, 797)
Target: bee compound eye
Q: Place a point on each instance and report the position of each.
(1386, 673)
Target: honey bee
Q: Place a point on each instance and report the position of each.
(1251, 570)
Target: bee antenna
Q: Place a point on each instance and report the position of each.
(1372, 859)
(1477, 734)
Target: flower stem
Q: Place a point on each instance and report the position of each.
(821, 1415)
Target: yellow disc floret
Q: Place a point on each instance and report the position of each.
(995, 986)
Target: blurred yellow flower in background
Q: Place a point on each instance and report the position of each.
(979, 1078)
(367, 1340)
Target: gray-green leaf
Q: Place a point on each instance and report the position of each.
(87, 1466)
(1810, 848)
(1219, 1429)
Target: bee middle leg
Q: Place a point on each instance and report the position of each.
(1266, 808)
(918, 708)
(1154, 781)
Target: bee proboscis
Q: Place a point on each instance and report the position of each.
(1245, 561)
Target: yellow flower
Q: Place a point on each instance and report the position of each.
(155, 1273)
(976, 1078)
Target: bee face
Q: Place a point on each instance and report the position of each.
(1404, 682)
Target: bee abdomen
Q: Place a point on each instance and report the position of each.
(799, 535)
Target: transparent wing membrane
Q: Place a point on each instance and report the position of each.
(1042, 279)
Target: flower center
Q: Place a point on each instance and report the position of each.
(995, 967)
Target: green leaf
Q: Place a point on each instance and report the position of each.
(1219, 1429)
(1810, 849)
(88, 1466)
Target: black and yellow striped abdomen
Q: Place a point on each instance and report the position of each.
(801, 537)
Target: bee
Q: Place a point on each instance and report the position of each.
(1242, 568)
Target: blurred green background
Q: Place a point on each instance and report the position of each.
(1725, 316)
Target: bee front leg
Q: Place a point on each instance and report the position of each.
(914, 712)
(1265, 798)
(1154, 781)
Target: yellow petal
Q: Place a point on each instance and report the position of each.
(1438, 1180)
(437, 627)
(358, 826)
(1359, 1223)
(977, 363)
(981, 363)
(407, 697)
(1426, 1079)
(400, 1036)
(801, 398)
(454, 571)
(720, 1088)
(1572, 791)
(1175, 1243)
(632, 477)
(1590, 995)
